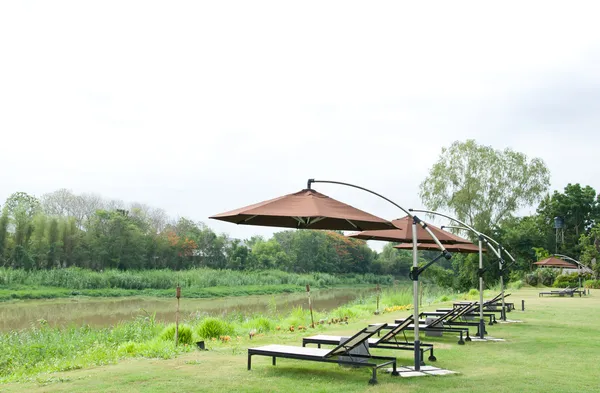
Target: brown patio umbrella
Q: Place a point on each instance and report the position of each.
(460, 248)
(556, 263)
(403, 234)
(306, 209)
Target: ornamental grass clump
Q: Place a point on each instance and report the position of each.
(214, 328)
(185, 334)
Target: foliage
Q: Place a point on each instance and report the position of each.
(184, 336)
(517, 284)
(77, 278)
(86, 231)
(566, 281)
(579, 208)
(214, 327)
(524, 237)
(473, 292)
(590, 249)
(541, 276)
(142, 249)
(42, 349)
(260, 324)
(481, 185)
(592, 284)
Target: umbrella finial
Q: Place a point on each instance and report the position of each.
(308, 184)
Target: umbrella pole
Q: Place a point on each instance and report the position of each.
(416, 300)
(501, 265)
(481, 321)
(503, 313)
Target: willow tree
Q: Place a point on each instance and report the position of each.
(481, 185)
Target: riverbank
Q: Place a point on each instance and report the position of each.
(526, 362)
(195, 283)
(23, 292)
(42, 349)
(107, 311)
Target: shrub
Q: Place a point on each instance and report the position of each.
(214, 328)
(473, 292)
(566, 280)
(518, 284)
(185, 334)
(263, 325)
(531, 279)
(593, 284)
(542, 276)
(546, 276)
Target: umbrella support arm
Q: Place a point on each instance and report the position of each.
(415, 272)
(415, 218)
(311, 181)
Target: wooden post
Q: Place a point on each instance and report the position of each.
(178, 295)
(312, 320)
(378, 289)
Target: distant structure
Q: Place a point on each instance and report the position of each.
(559, 226)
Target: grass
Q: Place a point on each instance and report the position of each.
(196, 283)
(77, 278)
(211, 292)
(43, 349)
(551, 351)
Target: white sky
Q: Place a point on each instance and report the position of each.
(205, 106)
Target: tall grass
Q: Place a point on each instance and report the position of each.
(41, 348)
(79, 279)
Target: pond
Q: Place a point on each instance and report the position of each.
(109, 311)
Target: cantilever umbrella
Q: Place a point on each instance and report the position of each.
(403, 234)
(460, 248)
(306, 209)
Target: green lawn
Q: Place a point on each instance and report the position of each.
(553, 350)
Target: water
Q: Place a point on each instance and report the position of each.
(109, 311)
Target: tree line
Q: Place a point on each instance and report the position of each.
(478, 184)
(62, 229)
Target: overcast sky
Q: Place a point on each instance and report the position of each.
(205, 106)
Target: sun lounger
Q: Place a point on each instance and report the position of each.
(437, 326)
(492, 304)
(455, 316)
(341, 354)
(563, 292)
(471, 314)
(387, 341)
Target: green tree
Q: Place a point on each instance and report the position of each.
(481, 185)
(3, 236)
(22, 203)
(238, 255)
(269, 255)
(394, 261)
(520, 235)
(39, 242)
(579, 208)
(590, 250)
(54, 244)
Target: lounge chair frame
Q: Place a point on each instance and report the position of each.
(387, 341)
(333, 355)
(433, 328)
(566, 291)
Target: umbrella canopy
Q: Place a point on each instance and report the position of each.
(306, 209)
(460, 248)
(403, 234)
(556, 263)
